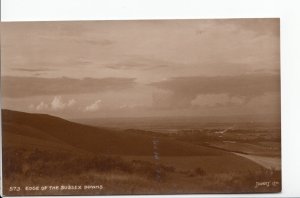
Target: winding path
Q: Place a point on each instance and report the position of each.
(267, 162)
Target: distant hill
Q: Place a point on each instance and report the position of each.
(163, 124)
(28, 130)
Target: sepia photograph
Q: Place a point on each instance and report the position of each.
(141, 107)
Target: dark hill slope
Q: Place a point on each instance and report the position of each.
(58, 131)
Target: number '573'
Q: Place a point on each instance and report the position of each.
(14, 188)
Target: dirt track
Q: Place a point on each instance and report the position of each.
(267, 162)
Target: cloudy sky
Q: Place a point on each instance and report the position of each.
(141, 68)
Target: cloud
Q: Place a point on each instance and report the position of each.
(181, 92)
(16, 87)
(103, 42)
(56, 104)
(94, 106)
(259, 26)
(242, 85)
(213, 100)
(31, 70)
(42, 106)
(132, 106)
(79, 40)
(71, 102)
(139, 63)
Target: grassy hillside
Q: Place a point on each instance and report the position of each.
(93, 139)
(45, 150)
